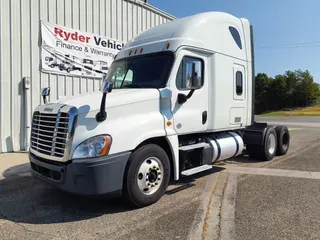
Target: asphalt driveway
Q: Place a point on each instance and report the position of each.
(240, 198)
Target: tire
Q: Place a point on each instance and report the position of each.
(269, 149)
(139, 189)
(283, 140)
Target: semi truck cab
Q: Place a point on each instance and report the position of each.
(177, 98)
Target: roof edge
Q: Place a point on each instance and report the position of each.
(152, 8)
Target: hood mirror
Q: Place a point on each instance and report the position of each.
(44, 93)
(107, 88)
(106, 85)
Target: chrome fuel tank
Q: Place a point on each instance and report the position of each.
(225, 145)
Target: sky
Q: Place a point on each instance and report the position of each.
(286, 32)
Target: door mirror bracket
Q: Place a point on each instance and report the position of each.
(183, 98)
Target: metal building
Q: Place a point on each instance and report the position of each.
(20, 51)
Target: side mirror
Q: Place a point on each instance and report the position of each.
(44, 93)
(194, 82)
(192, 74)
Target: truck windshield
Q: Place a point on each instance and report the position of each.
(145, 71)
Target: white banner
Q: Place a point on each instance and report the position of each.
(68, 51)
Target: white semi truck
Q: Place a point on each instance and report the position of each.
(185, 101)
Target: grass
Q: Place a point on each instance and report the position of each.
(305, 111)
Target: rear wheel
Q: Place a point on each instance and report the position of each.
(147, 176)
(268, 151)
(283, 140)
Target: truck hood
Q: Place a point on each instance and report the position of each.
(91, 101)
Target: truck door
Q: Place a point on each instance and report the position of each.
(190, 116)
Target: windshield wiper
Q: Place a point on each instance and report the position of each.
(133, 85)
(140, 85)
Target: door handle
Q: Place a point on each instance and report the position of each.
(204, 117)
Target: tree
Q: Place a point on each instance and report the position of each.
(262, 82)
(278, 92)
(292, 89)
(291, 83)
(309, 90)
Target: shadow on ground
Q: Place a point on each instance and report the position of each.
(244, 158)
(16, 171)
(25, 199)
(189, 181)
(28, 200)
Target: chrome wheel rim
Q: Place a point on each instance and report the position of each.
(271, 144)
(150, 175)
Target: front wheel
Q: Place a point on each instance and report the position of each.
(147, 175)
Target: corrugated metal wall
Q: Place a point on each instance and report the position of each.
(20, 52)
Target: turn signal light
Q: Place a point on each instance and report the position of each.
(106, 148)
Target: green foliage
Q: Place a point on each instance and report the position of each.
(290, 90)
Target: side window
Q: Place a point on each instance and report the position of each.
(239, 83)
(184, 75)
(236, 36)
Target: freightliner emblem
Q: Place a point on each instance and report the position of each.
(48, 109)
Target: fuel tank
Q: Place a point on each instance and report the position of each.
(224, 145)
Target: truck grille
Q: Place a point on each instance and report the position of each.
(49, 133)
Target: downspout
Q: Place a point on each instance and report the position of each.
(27, 116)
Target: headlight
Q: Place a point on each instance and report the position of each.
(93, 147)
